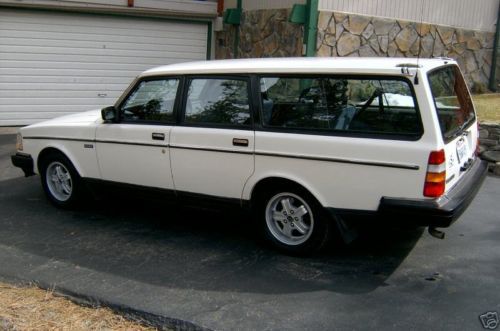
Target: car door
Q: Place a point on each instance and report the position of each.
(135, 150)
(212, 150)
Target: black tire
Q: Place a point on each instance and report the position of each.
(282, 232)
(67, 198)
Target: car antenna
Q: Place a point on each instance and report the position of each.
(419, 39)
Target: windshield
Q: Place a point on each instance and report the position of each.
(452, 101)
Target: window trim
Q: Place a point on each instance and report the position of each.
(340, 133)
(181, 118)
(131, 90)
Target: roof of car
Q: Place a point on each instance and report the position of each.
(299, 65)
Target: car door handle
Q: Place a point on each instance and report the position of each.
(158, 136)
(240, 142)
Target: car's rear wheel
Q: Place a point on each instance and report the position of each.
(293, 220)
(60, 180)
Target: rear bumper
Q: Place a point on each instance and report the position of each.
(25, 162)
(441, 212)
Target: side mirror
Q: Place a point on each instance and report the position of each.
(109, 114)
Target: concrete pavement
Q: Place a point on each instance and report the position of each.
(206, 269)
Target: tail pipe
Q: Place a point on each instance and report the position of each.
(436, 233)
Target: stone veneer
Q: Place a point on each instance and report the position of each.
(267, 33)
(342, 34)
(489, 138)
(263, 33)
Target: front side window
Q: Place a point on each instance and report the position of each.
(218, 101)
(372, 106)
(151, 100)
(452, 101)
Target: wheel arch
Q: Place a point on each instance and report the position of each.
(275, 181)
(53, 149)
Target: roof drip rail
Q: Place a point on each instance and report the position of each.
(408, 65)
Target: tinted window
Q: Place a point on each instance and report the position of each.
(218, 101)
(452, 100)
(151, 100)
(384, 106)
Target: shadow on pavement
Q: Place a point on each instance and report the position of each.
(178, 247)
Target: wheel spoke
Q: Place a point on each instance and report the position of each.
(300, 211)
(301, 227)
(58, 187)
(278, 216)
(66, 188)
(287, 230)
(287, 206)
(59, 172)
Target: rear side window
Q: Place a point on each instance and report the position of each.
(151, 100)
(382, 106)
(218, 102)
(452, 101)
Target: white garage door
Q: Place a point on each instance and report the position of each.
(55, 63)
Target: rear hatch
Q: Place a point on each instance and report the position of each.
(457, 120)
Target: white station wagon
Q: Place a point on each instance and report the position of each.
(310, 145)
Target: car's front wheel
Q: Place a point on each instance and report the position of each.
(294, 221)
(60, 180)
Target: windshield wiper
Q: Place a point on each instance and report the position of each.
(459, 129)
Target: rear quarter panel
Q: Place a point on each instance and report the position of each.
(357, 176)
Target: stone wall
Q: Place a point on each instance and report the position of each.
(341, 34)
(267, 33)
(263, 33)
(489, 138)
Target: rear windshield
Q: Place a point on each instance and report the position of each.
(452, 101)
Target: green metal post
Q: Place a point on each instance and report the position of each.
(311, 27)
(239, 6)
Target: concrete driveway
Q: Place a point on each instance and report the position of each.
(206, 269)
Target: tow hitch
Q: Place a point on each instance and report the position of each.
(436, 233)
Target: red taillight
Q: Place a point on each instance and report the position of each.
(437, 157)
(435, 178)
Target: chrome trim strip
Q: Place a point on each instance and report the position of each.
(303, 157)
(58, 138)
(129, 143)
(212, 149)
(96, 141)
(337, 160)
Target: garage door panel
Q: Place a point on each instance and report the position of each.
(59, 101)
(22, 110)
(73, 79)
(120, 53)
(52, 94)
(13, 16)
(134, 68)
(29, 115)
(19, 72)
(176, 38)
(106, 44)
(72, 29)
(62, 87)
(144, 60)
(53, 63)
